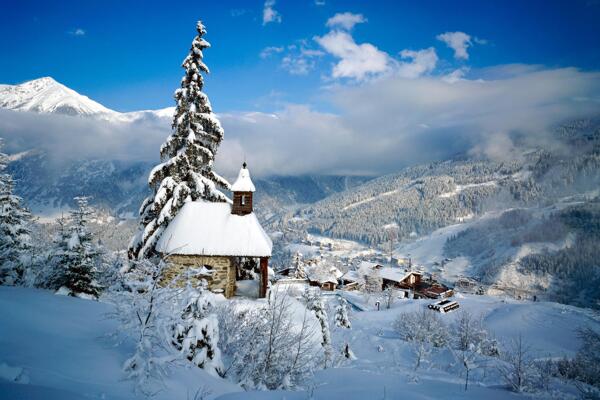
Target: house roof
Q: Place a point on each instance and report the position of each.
(322, 273)
(243, 182)
(395, 274)
(203, 228)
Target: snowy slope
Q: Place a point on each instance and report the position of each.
(62, 346)
(45, 95)
(54, 347)
(383, 369)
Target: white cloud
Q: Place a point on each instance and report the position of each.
(456, 75)
(357, 61)
(422, 62)
(379, 126)
(385, 124)
(345, 20)
(269, 13)
(269, 51)
(77, 32)
(319, 2)
(457, 41)
(365, 60)
(300, 62)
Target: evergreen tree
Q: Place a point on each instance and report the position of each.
(299, 266)
(80, 255)
(188, 154)
(314, 302)
(197, 334)
(15, 248)
(53, 275)
(341, 314)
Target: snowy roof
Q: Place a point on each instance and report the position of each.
(243, 182)
(396, 274)
(203, 228)
(322, 273)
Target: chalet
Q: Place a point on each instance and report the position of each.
(406, 280)
(323, 275)
(356, 277)
(224, 239)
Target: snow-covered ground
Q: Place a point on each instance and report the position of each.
(62, 346)
(55, 347)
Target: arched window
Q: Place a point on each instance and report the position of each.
(243, 200)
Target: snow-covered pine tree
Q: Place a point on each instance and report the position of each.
(81, 255)
(15, 247)
(186, 171)
(299, 266)
(52, 275)
(314, 302)
(341, 314)
(197, 333)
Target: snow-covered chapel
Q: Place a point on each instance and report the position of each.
(225, 238)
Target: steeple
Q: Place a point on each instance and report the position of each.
(242, 190)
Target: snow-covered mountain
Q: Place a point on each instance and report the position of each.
(45, 95)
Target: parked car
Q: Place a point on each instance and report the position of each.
(444, 306)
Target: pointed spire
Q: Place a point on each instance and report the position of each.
(243, 182)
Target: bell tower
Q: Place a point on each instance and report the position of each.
(242, 189)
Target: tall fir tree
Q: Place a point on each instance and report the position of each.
(15, 247)
(81, 256)
(186, 172)
(53, 275)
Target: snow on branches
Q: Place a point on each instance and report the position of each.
(78, 258)
(196, 334)
(186, 172)
(14, 231)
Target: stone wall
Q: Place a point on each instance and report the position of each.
(222, 279)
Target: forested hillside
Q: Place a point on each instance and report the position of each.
(423, 198)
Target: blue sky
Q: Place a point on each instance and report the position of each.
(127, 55)
(313, 86)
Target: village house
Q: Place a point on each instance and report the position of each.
(225, 240)
(411, 282)
(323, 275)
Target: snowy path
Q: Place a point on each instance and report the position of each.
(370, 199)
(460, 188)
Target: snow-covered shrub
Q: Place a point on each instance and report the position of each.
(264, 347)
(424, 330)
(517, 367)
(388, 296)
(469, 332)
(470, 341)
(196, 334)
(146, 312)
(587, 360)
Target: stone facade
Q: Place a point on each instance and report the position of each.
(222, 279)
